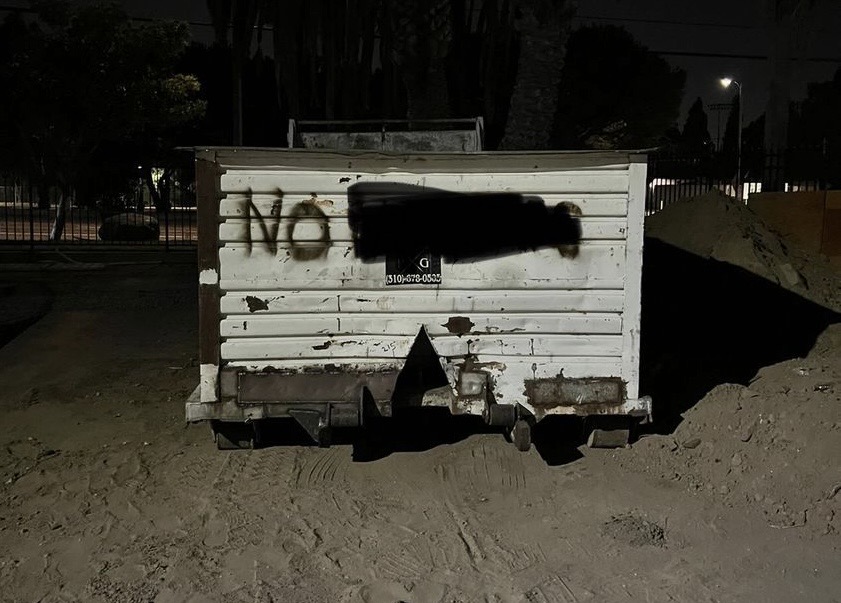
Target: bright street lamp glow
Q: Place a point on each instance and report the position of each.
(726, 81)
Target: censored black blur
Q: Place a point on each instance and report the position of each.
(401, 219)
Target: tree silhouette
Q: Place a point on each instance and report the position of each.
(786, 19)
(81, 77)
(729, 144)
(627, 97)
(240, 16)
(422, 32)
(816, 120)
(358, 59)
(695, 135)
(816, 132)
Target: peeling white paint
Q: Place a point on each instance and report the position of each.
(533, 315)
(208, 276)
(265, 180)
(238, 230)
(209, 381)
(600, 265)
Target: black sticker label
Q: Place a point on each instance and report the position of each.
(421, 269)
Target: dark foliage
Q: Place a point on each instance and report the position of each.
(614, 92)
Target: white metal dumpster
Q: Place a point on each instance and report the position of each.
(336, 286)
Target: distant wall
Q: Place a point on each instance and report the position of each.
(811, 220)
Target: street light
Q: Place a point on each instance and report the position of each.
(726, 82)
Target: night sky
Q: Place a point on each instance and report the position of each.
(739, 30)
(711, 26)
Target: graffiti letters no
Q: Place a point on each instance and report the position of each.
(307, 228)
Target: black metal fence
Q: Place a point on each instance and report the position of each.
(36, 215)
(672, 178)
(29, 213)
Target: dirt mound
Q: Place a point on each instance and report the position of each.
(634, 531)
(724, 295)
(773, 445)
(718, 227)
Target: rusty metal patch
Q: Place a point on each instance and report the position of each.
(279, 388)
(459, 325)
(255, 304)
(561, 391)
(570, 251)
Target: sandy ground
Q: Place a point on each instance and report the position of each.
(106, 495)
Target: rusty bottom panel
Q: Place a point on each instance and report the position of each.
(561, 391)
(280, 388)
(232, 411)
(631, 408)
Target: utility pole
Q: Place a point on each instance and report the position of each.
(726, 82)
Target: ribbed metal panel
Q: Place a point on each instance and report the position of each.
(533, 313)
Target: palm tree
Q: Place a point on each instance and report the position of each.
(543, 27)
(420, 41)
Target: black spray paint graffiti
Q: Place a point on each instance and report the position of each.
(390, 219)
(302, 213)
(269, 230)
(313, 248)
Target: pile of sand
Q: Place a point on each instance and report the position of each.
(719, 227)
(773, 445)
(773, 442)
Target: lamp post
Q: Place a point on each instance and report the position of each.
(726, 82)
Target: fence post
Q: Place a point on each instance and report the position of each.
(824, 175)
(31, 222)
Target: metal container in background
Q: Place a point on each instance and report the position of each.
(399, 136)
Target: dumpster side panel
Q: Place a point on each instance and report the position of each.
(283, 291)
(294, 296)
(631, 313)
(207, 186)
